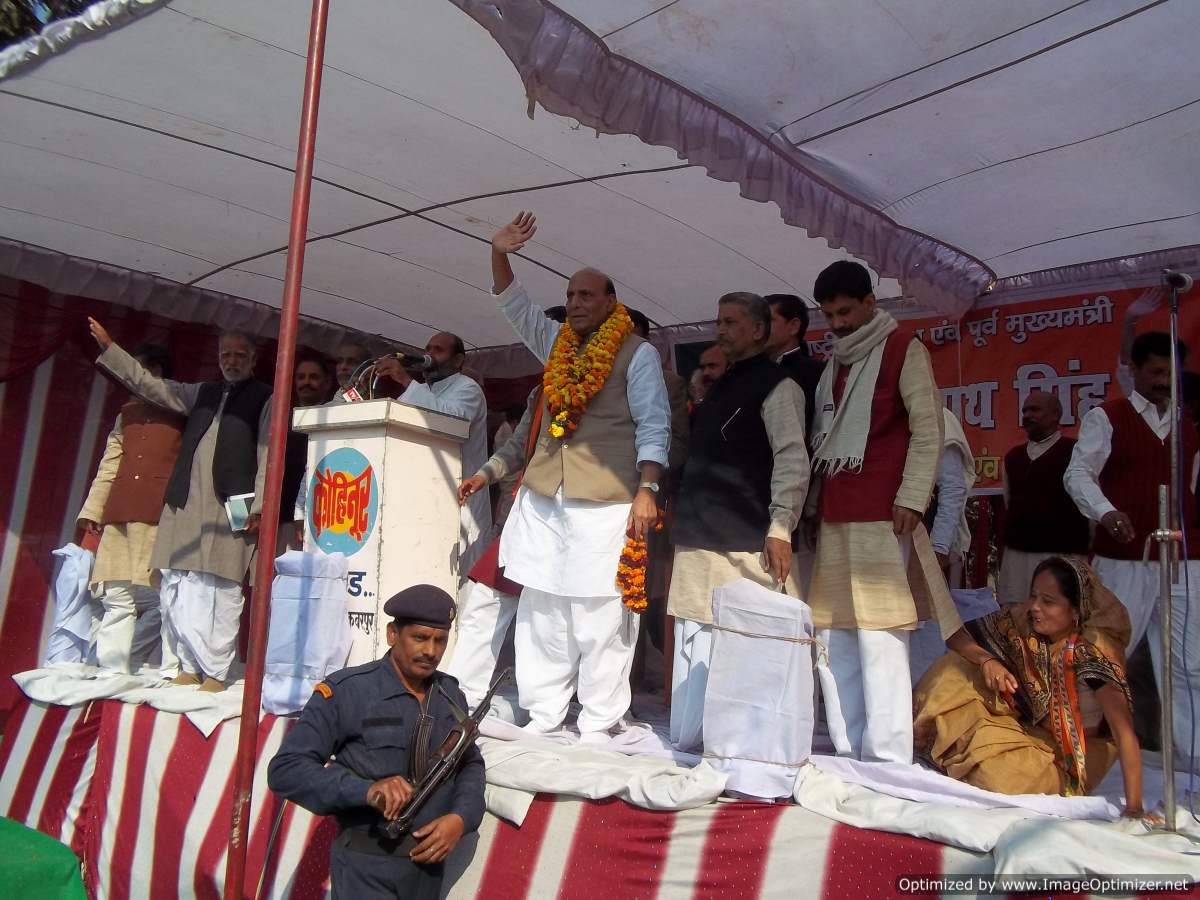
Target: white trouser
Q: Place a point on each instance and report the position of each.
(870, 669)
(1136, 585)
(574, 644)
(482, 623)
(128, 633)
(201, 614)
(689, 680)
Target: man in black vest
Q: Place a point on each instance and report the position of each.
(744, 485)
(220, 468)
(786, 345)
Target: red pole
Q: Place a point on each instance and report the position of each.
(260, 609)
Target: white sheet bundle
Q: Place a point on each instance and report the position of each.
(310, 634)
(759, 707)
(72, 607)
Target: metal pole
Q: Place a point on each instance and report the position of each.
(1168, 533)
(1166, 689)
(260, 609)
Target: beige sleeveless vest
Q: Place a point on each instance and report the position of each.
(599, 461)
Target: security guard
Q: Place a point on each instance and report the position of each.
(383, 721)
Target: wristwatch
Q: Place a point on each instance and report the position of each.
(649, 485)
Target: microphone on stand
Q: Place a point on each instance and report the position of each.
(1180, 281)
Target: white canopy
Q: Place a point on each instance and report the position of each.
(953, 145)
(167, 146)
(1038, 142)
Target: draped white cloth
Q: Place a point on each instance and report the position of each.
(759, 706)
(310, 634)
(72, 606)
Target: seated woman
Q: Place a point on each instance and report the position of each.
(1021, 706)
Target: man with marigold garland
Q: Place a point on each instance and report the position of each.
(743, 490)
(593, 479)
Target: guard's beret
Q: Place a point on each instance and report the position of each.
(422, 604)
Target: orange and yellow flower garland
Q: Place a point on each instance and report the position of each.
(570, 381)
(631, 572)
(573, 378)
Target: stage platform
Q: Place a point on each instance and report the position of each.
(142, 797)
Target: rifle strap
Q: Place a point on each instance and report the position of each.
(418, 763)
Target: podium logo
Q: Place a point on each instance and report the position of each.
(343, 501)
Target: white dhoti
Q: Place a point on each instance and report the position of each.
(871, 671)
(886, 586)
(201, 614)
(689, 681)
(1136, 584)
(759, 709)
(480, 628)
(1016, 574)
(130, 628)
(581, 645)
(573, 633)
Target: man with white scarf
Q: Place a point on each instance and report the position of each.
(593, 477)
(878, 437)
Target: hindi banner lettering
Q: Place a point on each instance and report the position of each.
(987, 364)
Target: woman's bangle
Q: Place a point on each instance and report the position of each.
(983, 662)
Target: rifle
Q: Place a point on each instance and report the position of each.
(445, 761)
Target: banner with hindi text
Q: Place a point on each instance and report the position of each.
(987, 364)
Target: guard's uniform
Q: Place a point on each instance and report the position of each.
(369, 720)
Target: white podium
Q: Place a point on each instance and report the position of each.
(381, 488)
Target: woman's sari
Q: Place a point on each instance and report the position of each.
(1035, 741)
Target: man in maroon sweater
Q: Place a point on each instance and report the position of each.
(1123, 454)
(122, 509)
(1042, 520)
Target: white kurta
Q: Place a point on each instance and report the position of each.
(569, 548)
(461, 396)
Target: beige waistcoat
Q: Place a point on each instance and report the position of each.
(599, 461)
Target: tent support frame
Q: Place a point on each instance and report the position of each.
(260, 609)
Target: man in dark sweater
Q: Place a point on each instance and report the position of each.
(744, 484)
(1042, 520)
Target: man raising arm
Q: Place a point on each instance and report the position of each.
(594, 474)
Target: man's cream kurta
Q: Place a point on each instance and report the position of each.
(125, 548)
(860, 580)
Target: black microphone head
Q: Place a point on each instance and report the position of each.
(1181, 281)
(416, 360)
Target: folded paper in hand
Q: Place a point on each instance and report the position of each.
(237, 508)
